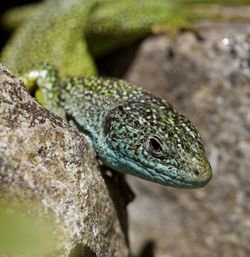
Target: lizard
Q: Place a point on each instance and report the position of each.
(131, 131)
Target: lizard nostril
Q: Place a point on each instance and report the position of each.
(196, 172)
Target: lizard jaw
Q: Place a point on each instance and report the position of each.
(165, 175)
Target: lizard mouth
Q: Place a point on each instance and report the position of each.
(169, 176)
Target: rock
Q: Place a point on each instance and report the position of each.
(47, 167)
(208, 81)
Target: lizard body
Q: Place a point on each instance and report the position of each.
(131, 130)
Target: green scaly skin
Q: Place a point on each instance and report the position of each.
(131, 130)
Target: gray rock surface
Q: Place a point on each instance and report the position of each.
(209, 81)
(50, 168)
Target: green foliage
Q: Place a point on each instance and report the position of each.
(23, 233)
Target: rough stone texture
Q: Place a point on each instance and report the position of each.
(43, 160)
(209, 81)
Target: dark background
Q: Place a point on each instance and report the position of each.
(4, 7)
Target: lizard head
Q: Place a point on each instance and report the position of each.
(148, 138)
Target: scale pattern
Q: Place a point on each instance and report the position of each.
(135, 132)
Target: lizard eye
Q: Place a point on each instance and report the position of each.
(154, 147)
